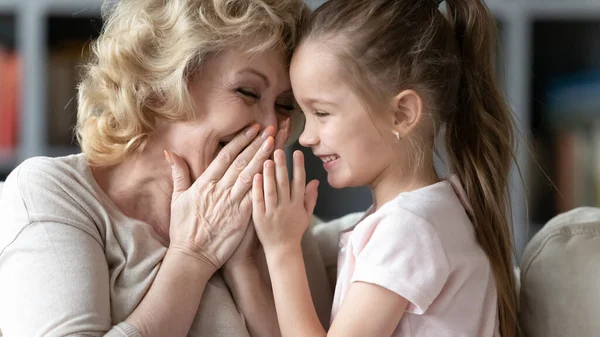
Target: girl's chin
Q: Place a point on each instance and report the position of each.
(336, 183)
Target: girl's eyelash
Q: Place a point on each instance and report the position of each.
(321, 113)
(248, 93)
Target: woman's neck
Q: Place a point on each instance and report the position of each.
(141, 188)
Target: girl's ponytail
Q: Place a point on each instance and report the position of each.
(479, 138)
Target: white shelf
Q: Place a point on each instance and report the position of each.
(563, 10)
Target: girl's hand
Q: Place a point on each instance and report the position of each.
(281, 212)
(209, 217)
(249, 252)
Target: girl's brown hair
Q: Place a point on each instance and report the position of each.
(449, 60)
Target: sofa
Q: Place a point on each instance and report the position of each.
(559, 273)
(560, 277)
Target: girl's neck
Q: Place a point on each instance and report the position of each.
(395, 180)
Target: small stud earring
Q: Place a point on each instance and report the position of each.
(397, 134)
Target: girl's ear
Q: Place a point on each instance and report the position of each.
(407, 111)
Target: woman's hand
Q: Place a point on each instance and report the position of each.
(249, 252)
(281, 212)
(210, 216)
(285, 128)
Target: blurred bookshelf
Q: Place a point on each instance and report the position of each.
(550, 58)
(9, 95)
(45, 42)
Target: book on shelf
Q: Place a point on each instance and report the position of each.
(9, 100)
(574, 115)
(64, 69)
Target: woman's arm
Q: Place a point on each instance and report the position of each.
(54, 281)
(254, 298)
(250, 290)
(169, 307)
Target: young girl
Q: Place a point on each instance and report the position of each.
(377, 80)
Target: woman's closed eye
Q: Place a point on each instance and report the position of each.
(285, 109)
(248, 93)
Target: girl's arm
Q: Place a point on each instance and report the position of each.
(281, 215)
(367, 309)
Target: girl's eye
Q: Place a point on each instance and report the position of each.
(248, 93)
(321, 113)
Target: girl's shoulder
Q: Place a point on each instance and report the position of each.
(435, 211)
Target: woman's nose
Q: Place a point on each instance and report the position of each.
(267, 117)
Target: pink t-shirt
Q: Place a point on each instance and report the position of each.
(422, 246)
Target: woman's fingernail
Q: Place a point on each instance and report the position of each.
(169, 158)
(251, 132)
(267, 132)
(267, 145)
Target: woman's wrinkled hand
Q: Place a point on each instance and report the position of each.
(210, 217)
(249, 252)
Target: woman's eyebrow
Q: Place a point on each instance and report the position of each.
(257, 73)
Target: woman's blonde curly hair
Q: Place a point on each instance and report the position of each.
(148, 50)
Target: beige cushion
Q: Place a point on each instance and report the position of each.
(327, 236)
(560, 277)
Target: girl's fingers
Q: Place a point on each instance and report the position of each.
(281, 174)
(299, 180)
(269, 185)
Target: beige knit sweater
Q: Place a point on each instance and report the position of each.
(72, 264)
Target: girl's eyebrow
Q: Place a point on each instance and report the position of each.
(319, 101)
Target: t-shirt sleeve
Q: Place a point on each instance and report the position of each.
(404, 255)
(54, 278)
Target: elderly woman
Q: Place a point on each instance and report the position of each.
(183, 103)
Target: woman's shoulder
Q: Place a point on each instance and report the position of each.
(43, 177)
(52, 190)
